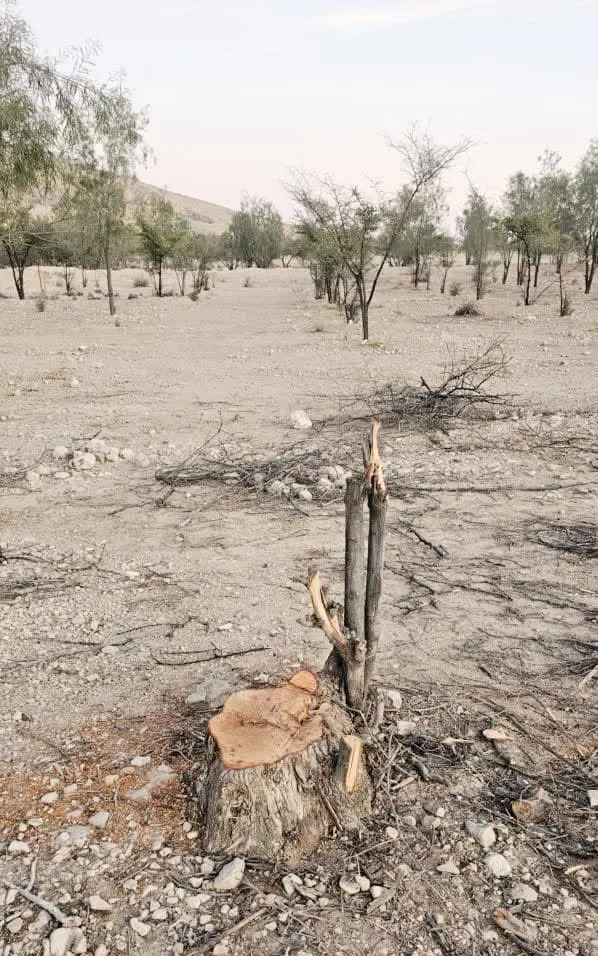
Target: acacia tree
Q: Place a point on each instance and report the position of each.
(99, 184)
(584, 227)
(478, 226)
(165, 235)
(22, 234)
(445, 255)
(257, 233)
(362, 230)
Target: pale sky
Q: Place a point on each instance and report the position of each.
(239, 93)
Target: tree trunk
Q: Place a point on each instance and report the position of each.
(111, 301)
(506, 265)
(364, 309)
(590, 270)
(538, 259)
(378, 506)
(282, 770)
(529, 278)
(443, 282)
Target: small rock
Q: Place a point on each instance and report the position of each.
(83, 460)
(160, 914)
(485, 834)
(62, 939)
(207, 867)
(60, 452)
(99, 819)
(305, 495)
(391, 833)
(15, 926)
(349, 886)
(497, 865)
(210, 694)
(50, 797)
(376, 891)
(363, 883)
(18, 847)
(157, 778)
(220, 950)
(277, 488)
(495, 733)
(290, 882)
(405, 727)
(394, 696)
(98, 905)
(522, 892)
(449, 867)
(112, 454)
(593, 798)
(139, 927)
(141, 761)
(230, 876)
(127, 454)
(300, 420)
(101, 950)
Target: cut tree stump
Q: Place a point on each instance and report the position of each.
(284, 768)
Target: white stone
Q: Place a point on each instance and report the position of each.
(405, 727)
(277, 488)
(139, 927)
(101, 950)
(522, 892)
(210, 694)
(376, 892)
(98, 905)
(290, 883)
(127, 454)
(15, 926)
(483, 833)
(220, 950)
(140, 761)
(497, 865)
(160, 914)
(449, 867)
(99, 819)
(394, 697)
(305, 495)
(112, 454)
(230, 876)
(18, 847)
(50, 797)
(83, 460)
(391, 833)
(60, 452)
(363, 883)
(62, 939)
(593, 798)
(349, 886)
(299, 419)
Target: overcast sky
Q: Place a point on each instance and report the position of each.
(241, 91)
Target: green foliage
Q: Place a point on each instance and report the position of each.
(21, 234)
(256, 233)
(164, 235)
(584, 212)
(477, 233)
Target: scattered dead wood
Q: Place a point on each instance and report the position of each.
(462, 392)
(580, 539)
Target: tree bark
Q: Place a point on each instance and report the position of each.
(283, 767)
(378, 506)
(111, 301)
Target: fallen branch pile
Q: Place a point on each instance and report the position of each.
(580, 539)
(461, 393)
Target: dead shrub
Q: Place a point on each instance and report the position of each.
(468, 308)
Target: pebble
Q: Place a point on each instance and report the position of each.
(15, 926)
(220, 950)
(290, 882)
(349, 886)
(405, 727)
(51, 797)
(60, 452)
(363, 882)
(230, 876)
(395, 697)
(593, 798)
(18, 847)
(64, 939)
(141, 761)
(98, 905)
(160, 914)
(100, 819)
(497, 865)
(139, 927)
(157, 778)
(301, 420)
(210, 694)
(391, 833)
(83, 460)
(521, 892)
(483, 833)
(449, 867)
(127, 454)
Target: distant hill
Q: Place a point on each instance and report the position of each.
(203, 216)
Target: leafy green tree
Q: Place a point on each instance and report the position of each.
(257, 233)
(584, 225)
(445, 255)
(21, 234)
(165, 236)
(477, 235)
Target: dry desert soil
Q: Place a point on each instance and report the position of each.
(121, 593)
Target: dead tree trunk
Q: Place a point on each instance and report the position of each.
(283, 768)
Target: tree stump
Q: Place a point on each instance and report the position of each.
(284, 768)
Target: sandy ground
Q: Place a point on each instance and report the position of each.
(117, 581)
